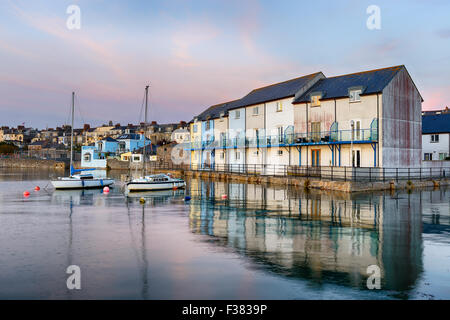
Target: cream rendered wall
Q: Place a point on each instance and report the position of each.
(255, 155)
(220, 126)
(236, 128)
(364, 111)
(275, 119)
(196, 138)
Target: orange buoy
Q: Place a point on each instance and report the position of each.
(174, 188)
(37, 188)
(26, 194)
(106, 189)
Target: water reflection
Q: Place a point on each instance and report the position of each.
(320, 236)
(258, 243)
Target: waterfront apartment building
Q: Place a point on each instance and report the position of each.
(364, 119)
(436, 136)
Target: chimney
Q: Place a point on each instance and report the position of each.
(86, 127)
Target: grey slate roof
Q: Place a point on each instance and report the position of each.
(215, 110)
(373, 81)
(109, 139)
(131, 136)
(269, 93)
(437, 123)
(276, 91)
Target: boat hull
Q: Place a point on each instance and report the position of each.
(150, 186)
(81, 184)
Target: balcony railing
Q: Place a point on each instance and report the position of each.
(295, 139)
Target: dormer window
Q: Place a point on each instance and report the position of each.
(279, 107)
(354, 94)
(315, 100)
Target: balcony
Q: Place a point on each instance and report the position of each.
(296, 139)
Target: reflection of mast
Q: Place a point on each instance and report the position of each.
(144, 258)
(144, 267)
(69, 251)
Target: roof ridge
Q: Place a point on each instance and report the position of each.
(366, 71)
(274, 84)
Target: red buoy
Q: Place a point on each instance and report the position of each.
(106, 189)
(37, 188)
(26, 194)
(224, 196)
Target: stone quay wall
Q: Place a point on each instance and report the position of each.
(32, 163)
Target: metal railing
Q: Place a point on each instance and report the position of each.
(322, 137)
(325, 173)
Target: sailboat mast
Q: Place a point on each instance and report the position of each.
(71, 134)
(145, 126)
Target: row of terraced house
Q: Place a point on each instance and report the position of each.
(364, 119)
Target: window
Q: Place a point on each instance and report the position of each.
(87, 157)
(442, 156)
(354, 95)
(194, 128)
(208, 125)
(315, 131)
(255, 111)
(315, 101)
(280, 134)
(434, 138)
(221, 116)
(222, 155)
(136, 158)
(356, 134)
(237, 155)
(279, 106)
(280, 152)
(428, 156)
(256, 153)
(237, 114)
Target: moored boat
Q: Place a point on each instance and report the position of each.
(80, 180)
(155, 182)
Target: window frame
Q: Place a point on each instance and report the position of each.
(314, 102)
(433, 138)
(352, 96)
(279, 106)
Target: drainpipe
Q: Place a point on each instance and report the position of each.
(378, 130)
(335, 120)
(307, 133)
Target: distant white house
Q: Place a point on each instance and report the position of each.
(436, 135)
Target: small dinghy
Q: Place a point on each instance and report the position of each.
(155, 182)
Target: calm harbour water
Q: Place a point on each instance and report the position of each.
(260, 243)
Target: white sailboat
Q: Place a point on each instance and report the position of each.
(155, 181)
(77, 179)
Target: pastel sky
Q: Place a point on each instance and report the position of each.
(198, 53)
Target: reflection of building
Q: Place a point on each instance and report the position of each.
(318, 236)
